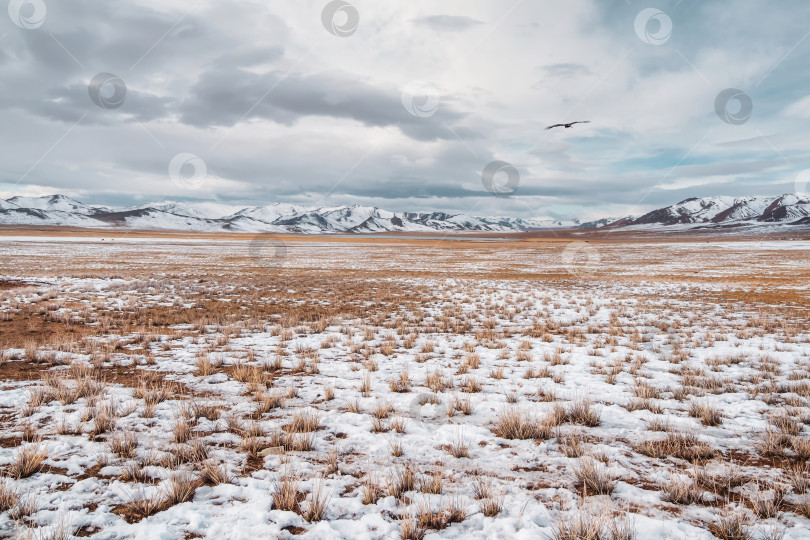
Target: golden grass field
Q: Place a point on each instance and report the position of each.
(537, 385)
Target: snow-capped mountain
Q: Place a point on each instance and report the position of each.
(792, 209)
(203, 210)
(55, 202)
(278, 217)
(708, 212)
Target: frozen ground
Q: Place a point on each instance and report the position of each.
(395, 389)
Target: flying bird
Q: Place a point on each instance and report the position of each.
(568, 125)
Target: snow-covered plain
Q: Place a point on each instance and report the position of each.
(139, 368)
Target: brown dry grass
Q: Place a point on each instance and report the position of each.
(685, 446)
(394, 312)
(708, 415)
(514, 423)
(285, 495)
(27, 461)
(400, 481)
(593, 478)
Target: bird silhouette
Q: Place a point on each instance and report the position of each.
(568, 125)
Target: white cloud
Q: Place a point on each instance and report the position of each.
(316, 108)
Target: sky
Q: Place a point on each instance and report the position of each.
(417, 105)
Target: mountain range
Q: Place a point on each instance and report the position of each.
(726, 212)
(278, 217)
(694, 213)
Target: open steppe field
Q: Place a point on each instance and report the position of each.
(171, 386)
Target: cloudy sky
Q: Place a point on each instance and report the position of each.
(402, 105)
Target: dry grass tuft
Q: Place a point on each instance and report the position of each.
(643, 390)
(28, 461)
(104, 418)
(458, 448)
(571, 444)
(786, 424)
(181, 430)
(124, 445)
(731, 527)
(428, 518)
(410, 529)
(491, 506)
(581, 412)
(207, 367)
(143, 506)
(767, 503)
(593, 478)
(305, 421)
(583, 525)
(285, 496)
(316, 507)
(30, 433)
(181, 488)
(214, 474)
(252, 445)
(482, 487)
(400, 481)
(396, 448)
(371, 489)
(8, 496)
(685, 446)
(470, 385)
(432, 483)
(402, 384)
(133, 471)
(365, 386)
(398, 424)
(799, 476)
(681, 490)
(708, 415)
(513, 423)
(353, 406)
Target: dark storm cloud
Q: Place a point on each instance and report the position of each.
(226, 96)
(73, 103)
(51, 67)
